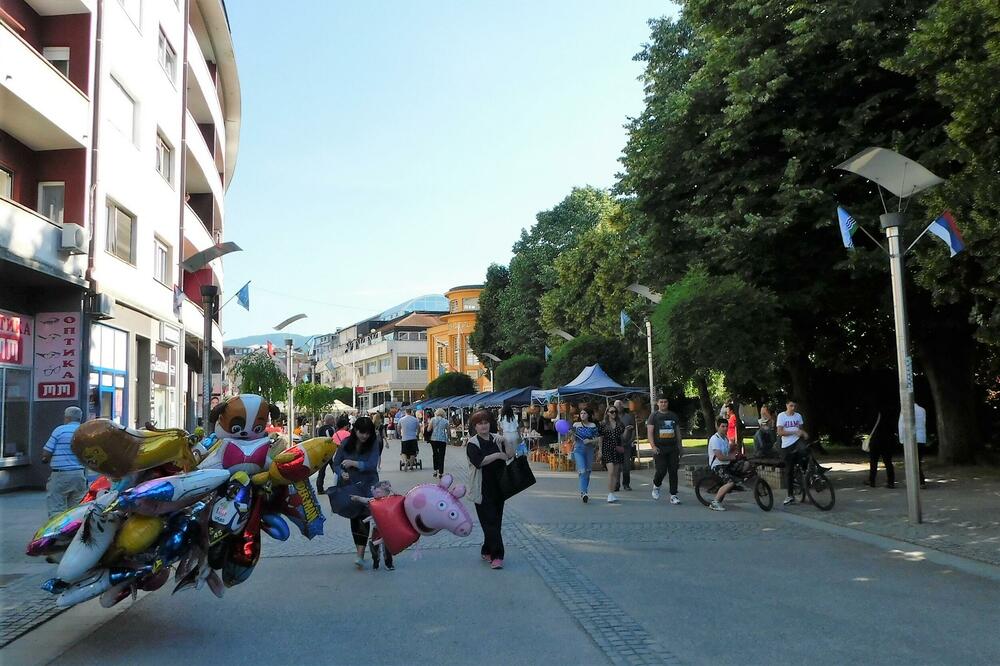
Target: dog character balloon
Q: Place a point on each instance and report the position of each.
(241, 443)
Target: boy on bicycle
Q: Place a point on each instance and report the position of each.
(719, 459)
(791, 432)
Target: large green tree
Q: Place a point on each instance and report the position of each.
(450, 383)
(573, 356)
(486, 337)
(518, 372)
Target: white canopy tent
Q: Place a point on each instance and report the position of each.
(339, 407)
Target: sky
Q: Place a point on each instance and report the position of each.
(390, 149)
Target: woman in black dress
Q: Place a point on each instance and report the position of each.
(487, 457)
(612, 448)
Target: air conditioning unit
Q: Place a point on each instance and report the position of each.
(74, 239)
(101, 306)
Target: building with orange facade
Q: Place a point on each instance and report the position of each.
(448, 342)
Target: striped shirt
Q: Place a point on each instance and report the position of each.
(63, 459)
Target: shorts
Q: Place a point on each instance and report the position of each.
(724, 473)
(409, 447)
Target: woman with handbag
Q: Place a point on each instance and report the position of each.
(586, 440)
(612, 432)
(355, 466)
(488, 457)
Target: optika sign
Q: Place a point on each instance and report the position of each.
(16, 332)
(57, 352)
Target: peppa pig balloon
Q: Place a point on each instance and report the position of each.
(424, 510)
(562, 427)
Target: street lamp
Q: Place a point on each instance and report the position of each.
(561, 333)
(654, 297)
(495, 359)
(903, 177)
(289, 342)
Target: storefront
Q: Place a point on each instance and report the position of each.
(164, 386)
(108, 383)
(16, 359)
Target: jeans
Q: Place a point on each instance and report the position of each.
(790, 455)
(438, 449)
(583, 455)
(65, 490)
(667, 460)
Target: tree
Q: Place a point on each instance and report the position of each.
(518, 372)
(486, 336)
(573, 356)
(258, 373)
(345, 394)
(315, 398)
(450, 383)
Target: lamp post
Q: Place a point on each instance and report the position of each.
(209, 301)
(495, 359)
(653, 297)
(291, 382)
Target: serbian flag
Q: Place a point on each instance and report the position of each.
(848, 227)
(270, 348)
(945, 228)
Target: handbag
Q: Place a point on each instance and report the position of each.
(340, 498)
(516, 476)
(866, 441)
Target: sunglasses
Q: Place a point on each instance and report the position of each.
(612, 411)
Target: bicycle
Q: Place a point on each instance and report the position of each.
(743, 471)
(809, 480)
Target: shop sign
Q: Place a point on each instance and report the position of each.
(164, 366)
(57, 355)
(16, 338)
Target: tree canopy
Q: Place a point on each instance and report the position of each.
(450, 383)
(518, 372)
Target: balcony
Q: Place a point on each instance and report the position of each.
(38, 105)
(202, 175)
(195, 231)
(203, 95)
(31, 240)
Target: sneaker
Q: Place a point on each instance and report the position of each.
(656, 493)
(674, 499)
(611, 498)
(496, 564)
(715, 506)
(359, 563)
(486, 558)
(389, 566)
(789, 500)
(585, 497)
(629, 488)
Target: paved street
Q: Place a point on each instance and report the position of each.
(634, 583)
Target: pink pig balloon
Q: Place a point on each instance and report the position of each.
(431, 508)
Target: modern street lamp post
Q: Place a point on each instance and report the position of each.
(289, 342)
(209, 300)
(653, 297)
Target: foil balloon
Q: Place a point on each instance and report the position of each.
(100, 484)
(299, 461)
(229, 512)
(96, 584)
(275, 526)
(424, 510)
(91, 541)
(241, 444)
(182, 531)
(109, 448)
(137, 534)
(562, 427)
(58, 531)
(171, 493)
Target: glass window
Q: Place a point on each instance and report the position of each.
(371, 367)
(6, 183)
(167, 57)
(470, 303)
(402, 335)
(161, 261)
(402, 363)
(51, 200)
(121, 110)
(15, 410)
(421, 335)
(121, 234)
(164, 158)
(453, 306)
(385, 364)
(59, 57)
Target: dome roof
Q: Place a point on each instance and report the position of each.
(425, 303)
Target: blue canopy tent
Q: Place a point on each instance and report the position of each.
(517, 397)
(594, 381)
(470, 400)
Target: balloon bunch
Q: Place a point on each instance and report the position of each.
(164, 505)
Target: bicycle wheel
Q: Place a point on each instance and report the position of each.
(798, 487)
(705, 488)
(820, 491)
(762, 495)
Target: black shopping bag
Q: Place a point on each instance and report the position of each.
(341, 502)
(517, 476)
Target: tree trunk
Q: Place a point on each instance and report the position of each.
(947, 354)
(798, 370)
(707, 410)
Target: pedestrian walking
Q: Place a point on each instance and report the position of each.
(586, 440)
(920, 425)
(439, 441)
(612, 432)
(487, 454)
(664, 431)
(880, 444)
(357, 462)
(408, 428)
(425, 426)
(329, 426)
(792, 434)
(68, 482)
(510, 427)
(628, 441)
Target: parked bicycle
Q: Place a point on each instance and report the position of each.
(745, 472)
(810, 480)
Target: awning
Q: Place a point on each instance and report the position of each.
(594, 381)
(517, 397)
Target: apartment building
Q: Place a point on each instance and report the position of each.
(119, 127)
(448, 342)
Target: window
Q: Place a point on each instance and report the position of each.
(121, 110)
(402, 335)
(59, 57)
(133, 8)
(411, 362)
(121, 234)
(421, 335)
(161, 261)
(108, 369)
(164, 158)
(6, 183)
(167, 57)
(453, 306)
(385, 364)
(51, 200)
(470, 304)
(15, 402)
(371, 367)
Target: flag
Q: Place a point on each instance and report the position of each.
(548, 353)
(178, 301)
(625, 320)
(945, 228)
(848, 227)
(270, 349)
(243, 296)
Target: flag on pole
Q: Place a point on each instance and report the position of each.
(548, 353)
(945, 228)
(625, 320)
(848, 227)
(243, 296)
(270, 349)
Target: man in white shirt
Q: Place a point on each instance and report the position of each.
(790, 430)
(408, 428)
(718, 460)
(920, 423)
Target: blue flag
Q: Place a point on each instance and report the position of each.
(243, 296)
(548, 353)
(625, 321)
(848, 227)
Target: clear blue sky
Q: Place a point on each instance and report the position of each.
(390, 149)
